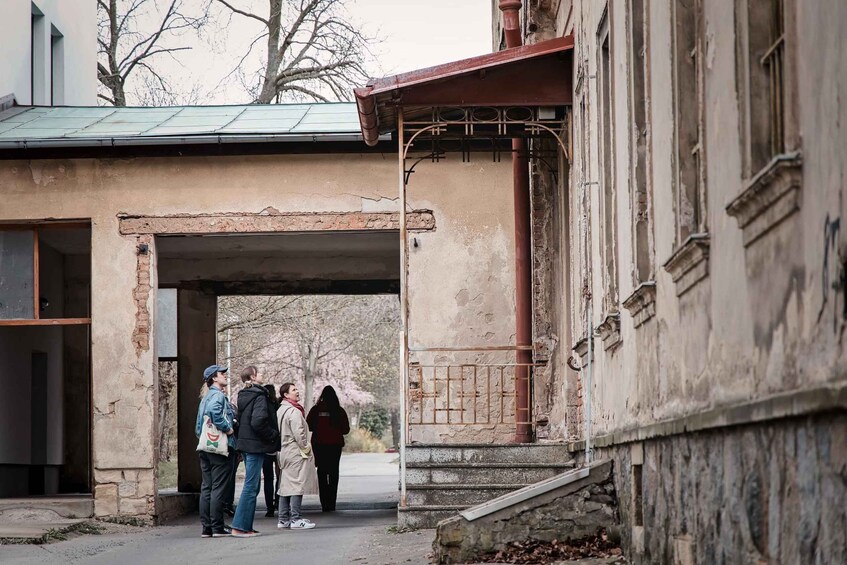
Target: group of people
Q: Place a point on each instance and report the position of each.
(272, 436)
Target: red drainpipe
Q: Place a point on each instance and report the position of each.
(523, 247)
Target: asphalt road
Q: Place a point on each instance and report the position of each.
(348, 537)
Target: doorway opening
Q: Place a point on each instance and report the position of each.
(45, 365)
(317, 309)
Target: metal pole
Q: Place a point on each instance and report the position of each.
(228, 363)
(404, 305)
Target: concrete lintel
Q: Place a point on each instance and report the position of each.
(287, 288)
(787, 405)
(264, 223)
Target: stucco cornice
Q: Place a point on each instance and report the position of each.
(642, 302)
(690, 263)
(770, 197)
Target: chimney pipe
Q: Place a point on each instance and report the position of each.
(523, 249)
(512, 22)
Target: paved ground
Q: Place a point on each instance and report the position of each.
(357, 537)
(368, 481)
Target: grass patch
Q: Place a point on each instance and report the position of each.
(167, 474)
(395, 529)
(125, 521)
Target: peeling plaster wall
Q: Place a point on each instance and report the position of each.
(768, 318)
(765, 327)
(461, 275)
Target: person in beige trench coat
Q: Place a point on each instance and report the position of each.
(298, 475)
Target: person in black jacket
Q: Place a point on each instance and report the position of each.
(269, 469)
(258, 433)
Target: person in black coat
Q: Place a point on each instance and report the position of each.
(258, 433)
(328, 423)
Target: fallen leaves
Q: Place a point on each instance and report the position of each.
(536, 551)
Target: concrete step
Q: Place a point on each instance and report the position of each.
(480, 473)
(554, 453)
(446, 495)
(420, 517)
(67, 506)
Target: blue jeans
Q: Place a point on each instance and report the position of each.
(246, 509)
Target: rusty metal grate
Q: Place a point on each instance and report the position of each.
(470, 394)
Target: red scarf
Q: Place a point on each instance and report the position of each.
(297, 406)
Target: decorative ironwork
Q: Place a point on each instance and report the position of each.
(469, 394)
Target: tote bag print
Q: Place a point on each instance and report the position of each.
(212, 440)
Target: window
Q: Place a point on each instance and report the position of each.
(763, 70)
(689, 120)
(639, 102)
(38, 58)
(45, 274)
(770, 140)
(608, 195)
(57, 67)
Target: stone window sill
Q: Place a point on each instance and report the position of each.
(581, 349)
(609, 330)
(769, 197)
(690, 263)
(642, 302)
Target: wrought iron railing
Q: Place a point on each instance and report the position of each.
(459, 393)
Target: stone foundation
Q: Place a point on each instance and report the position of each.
(570, 512)
(763, 493)
(124, 492)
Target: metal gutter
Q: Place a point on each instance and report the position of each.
(24, 144)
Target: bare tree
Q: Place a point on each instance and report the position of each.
(313, 51)
(315, 338)
(131, 34)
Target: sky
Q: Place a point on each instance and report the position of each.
(415, 34)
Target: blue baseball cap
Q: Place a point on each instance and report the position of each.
(211, 370)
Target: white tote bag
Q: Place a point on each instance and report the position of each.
(212, 440)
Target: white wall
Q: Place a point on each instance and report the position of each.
(77, 22)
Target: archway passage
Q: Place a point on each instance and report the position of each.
(195, 271)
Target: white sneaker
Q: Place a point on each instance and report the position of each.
(283, 525)
(302, 524)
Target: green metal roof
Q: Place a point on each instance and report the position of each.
(37, 126)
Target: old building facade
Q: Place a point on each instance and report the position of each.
(48, 56)
(103, 207)
(694, 304)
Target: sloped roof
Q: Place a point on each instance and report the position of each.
(38, 126)
(531, 75)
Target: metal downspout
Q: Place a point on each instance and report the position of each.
(523, 249)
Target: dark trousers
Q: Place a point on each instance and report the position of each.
(215, 470)
(268, 476)
(327, 458)
(229, 492)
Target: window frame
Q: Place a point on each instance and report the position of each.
(37, 320)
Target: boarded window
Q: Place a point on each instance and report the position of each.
(608, 193)
(639, 101)
(17, 274)
(690, 197)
